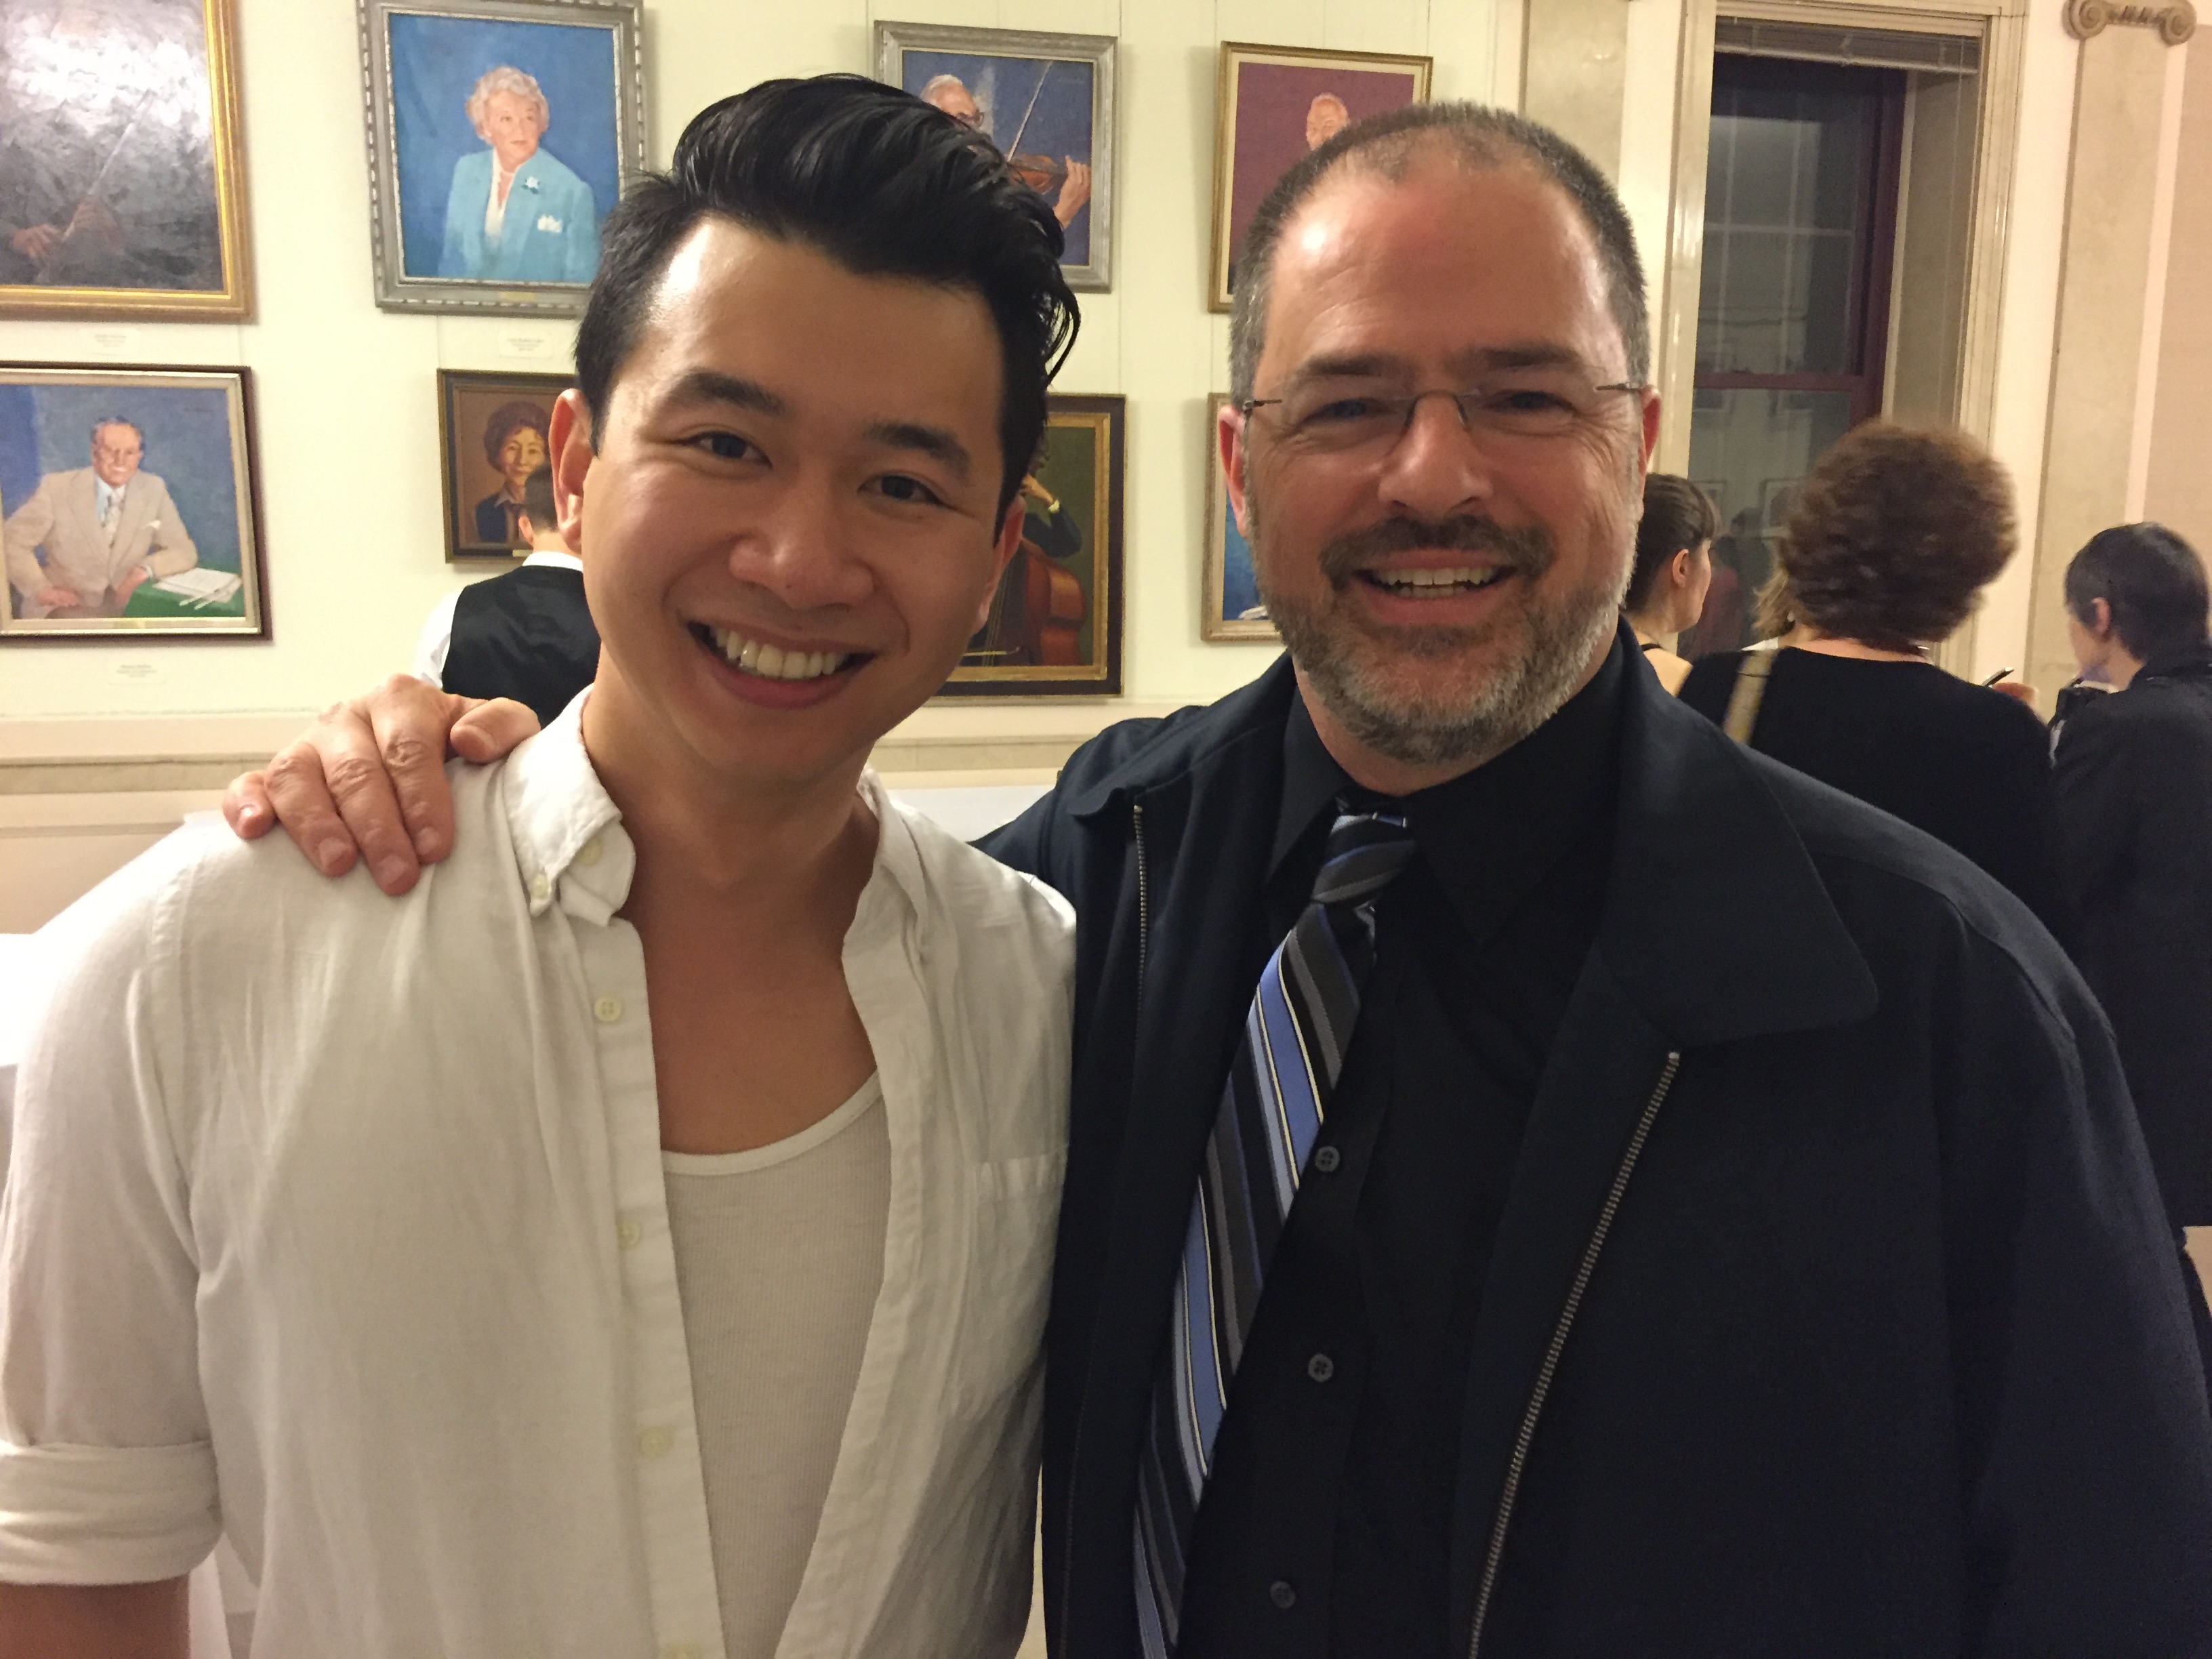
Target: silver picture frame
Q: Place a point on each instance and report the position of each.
(1022, 51)
(403, 191)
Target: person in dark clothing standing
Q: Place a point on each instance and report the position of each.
(1891, 537)
(2134, 814)
(526, 635)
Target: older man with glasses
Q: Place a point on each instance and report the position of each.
(1542, 1179)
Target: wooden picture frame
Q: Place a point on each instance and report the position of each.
(430, 69)
(174, 553)
(1000, 81)
(481, 426)
(131, 205)
(1055, 624)
(1275, 104)
(1229, 596)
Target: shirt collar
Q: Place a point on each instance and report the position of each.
(568, 840)
(1488, 834)
(570, 846)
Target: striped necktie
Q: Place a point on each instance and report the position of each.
(1279, 1086)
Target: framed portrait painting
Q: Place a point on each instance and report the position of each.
(1055, 623)
(1276, 104)
(122, 186)
(128, 507)
(498, 135)
(1230, 607)
(492, 436)
(1046, 100)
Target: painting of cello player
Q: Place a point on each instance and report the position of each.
(1046, 100)
(1055, 624)
(121, 189)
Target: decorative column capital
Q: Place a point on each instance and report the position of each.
(2175, 22)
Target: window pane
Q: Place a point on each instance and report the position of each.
(1783, 230)
(1749, 450)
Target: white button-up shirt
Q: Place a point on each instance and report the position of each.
(337, 1223)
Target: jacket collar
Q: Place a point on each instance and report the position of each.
(1716, 924)
(1190, 740)
(2186, 662)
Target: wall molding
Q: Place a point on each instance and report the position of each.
(167, 754)
(2086, 19)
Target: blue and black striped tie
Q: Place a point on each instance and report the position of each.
(1279, 1087)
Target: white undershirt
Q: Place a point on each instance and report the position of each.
(779, 1258)
(502, 186)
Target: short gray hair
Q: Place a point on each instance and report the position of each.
(1486, 138)
(107, 421)
(509, 79)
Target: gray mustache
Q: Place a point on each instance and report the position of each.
(1527, 549)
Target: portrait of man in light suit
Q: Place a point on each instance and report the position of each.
(517, 213)
(86, 539)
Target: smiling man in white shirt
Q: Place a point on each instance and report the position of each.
(636, 1239)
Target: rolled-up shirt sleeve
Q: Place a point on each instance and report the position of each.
(106, 1470)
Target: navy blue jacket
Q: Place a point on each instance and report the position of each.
(1832, 1310)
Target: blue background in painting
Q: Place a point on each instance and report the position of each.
(48, 428)
(1059, 127)
(1239, 589)
(436, 64)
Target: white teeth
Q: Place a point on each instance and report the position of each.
(1465, 576)
(772, 662)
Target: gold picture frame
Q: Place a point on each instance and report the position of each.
(104, 237)
(1272, 105)
(1055, 628)
(1229, 593)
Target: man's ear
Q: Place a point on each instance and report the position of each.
(2100, 618)
(525, 526)
(1002, 553)
(569, 441)
(1228, 437)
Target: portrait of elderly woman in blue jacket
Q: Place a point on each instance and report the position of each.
(517, 213)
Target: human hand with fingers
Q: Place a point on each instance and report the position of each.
(367, 779)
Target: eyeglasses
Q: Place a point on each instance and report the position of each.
(1333, 419)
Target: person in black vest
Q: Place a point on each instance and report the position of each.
(526, 635)
(2135, 815)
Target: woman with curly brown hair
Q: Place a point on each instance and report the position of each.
(1891, 537)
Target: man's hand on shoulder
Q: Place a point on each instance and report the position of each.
(368, 778)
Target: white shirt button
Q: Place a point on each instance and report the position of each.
(654, 1442)
(607, 1010)
(629, 1232)
(541, 888)
(588, 854)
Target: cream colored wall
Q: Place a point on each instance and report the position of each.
(346, 415)
(2178, 490)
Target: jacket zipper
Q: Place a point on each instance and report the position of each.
(1144, 901)
(1144, 952)
(1518, 1465)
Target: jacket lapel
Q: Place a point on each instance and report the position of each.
(1716, 927)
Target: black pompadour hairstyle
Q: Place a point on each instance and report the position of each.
(2151, 580)
(876, 179)
(1677, 514)
(1485, 137)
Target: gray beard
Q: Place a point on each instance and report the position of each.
(1474, 724)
